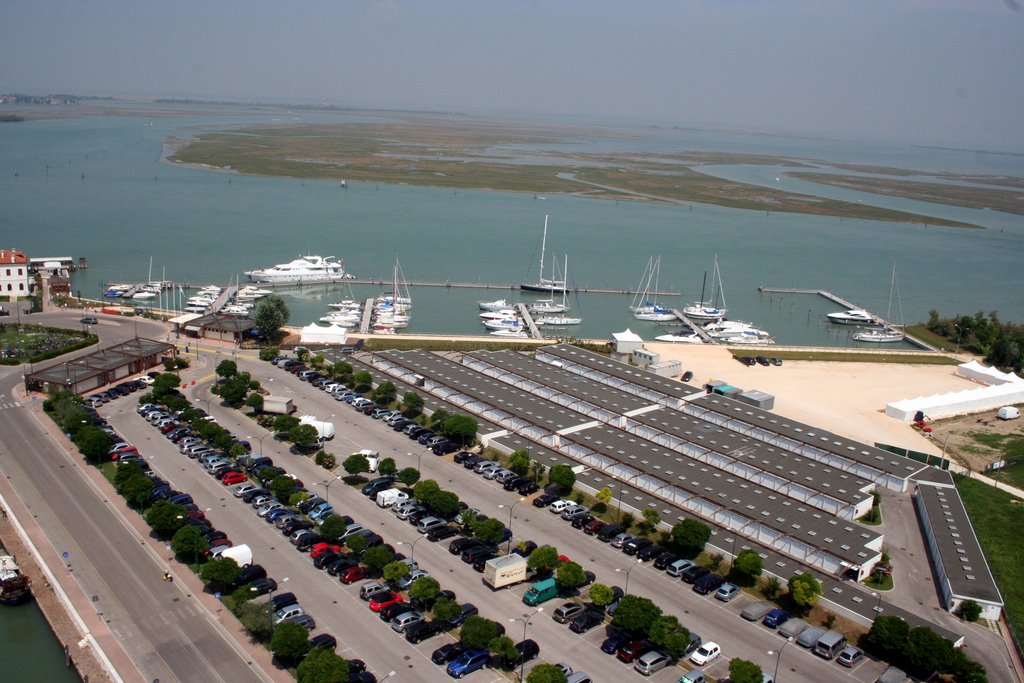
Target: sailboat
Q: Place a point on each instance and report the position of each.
(888, 333)
(391, 311)
(709, 310)
(148, 290)
(647, 309)
(545, 286)
(557, 320)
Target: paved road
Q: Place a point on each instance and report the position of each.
(169, 636)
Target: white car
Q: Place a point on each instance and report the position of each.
(559, 505)
(707, 652)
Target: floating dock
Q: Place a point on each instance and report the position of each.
(364, 325)
(701, 332)
(524, 313)
(458, 285)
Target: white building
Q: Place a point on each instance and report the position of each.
(14, 275)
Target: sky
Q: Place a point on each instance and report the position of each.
(945, 72)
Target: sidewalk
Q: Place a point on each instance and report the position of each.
(261, 659)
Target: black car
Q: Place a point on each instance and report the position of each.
(87, 320)
(528, 649)
(479, 561)
(468, 610)
(694, 573)
(610, 531)
(525, 548)
(613, 642)
(447, 653)
(340, 564)
(324, 640)
(635, 545)
(321, 561)
(249, 496)
(579, 521)
(250, 573)
(664, 560)
(262, 586)
(460, 545)
(512, 483)
(470, 555)
(586, 621)
(444, 448)
(399, 425)
(417, 633)
(416, 515)
(776, 361)
(283, 600)
(389, 612)
(415, 433)
(543, 500)
(462, 455)
(214, 535)
(470, 461)
(425, 436)
(310, 503)
(708, 583)
(442, 532)
(687, 376)
(294, 524)
(649, 553)
(761, 360)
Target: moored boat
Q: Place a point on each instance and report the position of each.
(303, 270)
(544, 285)
(854, 316)
(15, 587)
(498, 305)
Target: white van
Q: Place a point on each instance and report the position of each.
(389, 497)
(1008, 413)
(372, 457)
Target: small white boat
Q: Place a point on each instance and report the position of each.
(239, 311)
(383, 329)
(144, 294)
(746, 337)
(557, 320)
(504, 324)
(347, 305)
(513, 334)
(194, 308)
(725, 329)
(704, 310)
(885, 335)
(498, 305)
(547, 306)
(681, 337)
(343, 320)
(655, 314)
(498, 315)
(854, 316)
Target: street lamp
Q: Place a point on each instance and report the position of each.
(878, 603)
(327, 488)
(419, 458)
(959, 333)
(526, 622)
(270, 602)
(631, 567)
(779, 657)
(412, 546)
(510, 509)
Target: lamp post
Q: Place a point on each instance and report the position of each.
(327, 488)
(959, 334)
(419, 458)
(270, 602)
(779, 657)
(510, 509)
(625, 591)
(526, 622)
(412, 547)
(878, 603)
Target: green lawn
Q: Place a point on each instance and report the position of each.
(999, 523)
(850, 356)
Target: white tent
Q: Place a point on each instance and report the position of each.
(332, 334)
(957, 402)
(985, 375)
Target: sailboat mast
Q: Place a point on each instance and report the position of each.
(565, 274)
(543, 245)
(702, 286)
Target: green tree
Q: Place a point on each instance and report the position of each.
(227, 368)
(255, 401)
(519, 462)
(504, 649)
(412, 404)
(444, 503)
(256, 617)
(304, 435)
(289, 642)
(425, 489)
(137, 489)
(570, 576)
(334, 526)
(670, 636)
(489, 531)
(747, 567)
(715, 561)
(395, 571)
(445, 609)
(651, 520)
(283, 486)
(537, 471)
(478, 632)
(166, 518)
(322, 666)
(544, 558)
(188, 543)
(356, 543)
(377, 558)
(94, 443)
(771, 587)
(424, 589)
(546, 673)
(269, 353)
(362, 381)
(385, 393)
(927, 652)
(285, 423)
(164, 384)
(341, 372)
(636, 615)
(233, 392)
(743, 671)
(220, 572)
(461, 429)
(124, 473)
(604, 496)
(326, 460)
(438, 417)
(887, 638)
(563, 476)
(970, 610)
(690, 535)
(271, 315)
(356, 464)
(387, 467)
(804, 590)
(409, 476)
(601, 595)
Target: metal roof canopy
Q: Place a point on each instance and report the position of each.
(98, 362)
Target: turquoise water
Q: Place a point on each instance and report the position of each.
(28, 649)
(208, 227)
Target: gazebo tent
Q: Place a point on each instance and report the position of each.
(985, 375)
(332, 334)
(957, 402)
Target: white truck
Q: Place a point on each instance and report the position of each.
(505, 571)
(324, 429)
(372, 457)
(390, 497)
(278, 405)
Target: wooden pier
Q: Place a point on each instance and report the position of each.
(364, 324)
(524, 313)
(459, 285)
(701, 332)
(223, 299)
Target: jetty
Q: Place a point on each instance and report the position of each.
(458, 285)
(364, 324)
(701, 332)
(222, 300)
(524, 313)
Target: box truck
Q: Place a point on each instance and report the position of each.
(509, 570)
(324, 429)
(278, 405)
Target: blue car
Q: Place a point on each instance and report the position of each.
(468, 662)
(274, 515)
(321, 513)
(775, 618)
(612, 644)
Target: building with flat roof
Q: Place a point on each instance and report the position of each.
(100, 368)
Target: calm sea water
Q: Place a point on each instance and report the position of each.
(96, 187)
(28, 649)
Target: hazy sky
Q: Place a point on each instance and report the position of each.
(936, 71)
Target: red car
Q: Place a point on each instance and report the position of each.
(129, 449)
(169, 427)
(383, 600)
(321, 548)
(353, 574)
(216, 544)
(630, 651)
(233, 478)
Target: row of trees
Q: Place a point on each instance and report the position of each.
(920, 651)
(1001, 343)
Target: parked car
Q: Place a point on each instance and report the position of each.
(775, 618)
(633, 650)
(615, 641)
(706, 653)
(850, 656)
(586, 621)
(652, 662)
(694, 572)
(468, 662)
(544, 500)
(403, 621)
(567, 612)
(421, 631)
(447, 653)
(727, 592)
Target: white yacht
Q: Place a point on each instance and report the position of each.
(854, 316)
(686, 336)
(547, 306)
(303, 270)
(557, 320)
(728, 329)
(649, 309)
(504, 324)
(498, 305)
(885, 335)
(705, 310)
(514, 334)
(498, 315)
